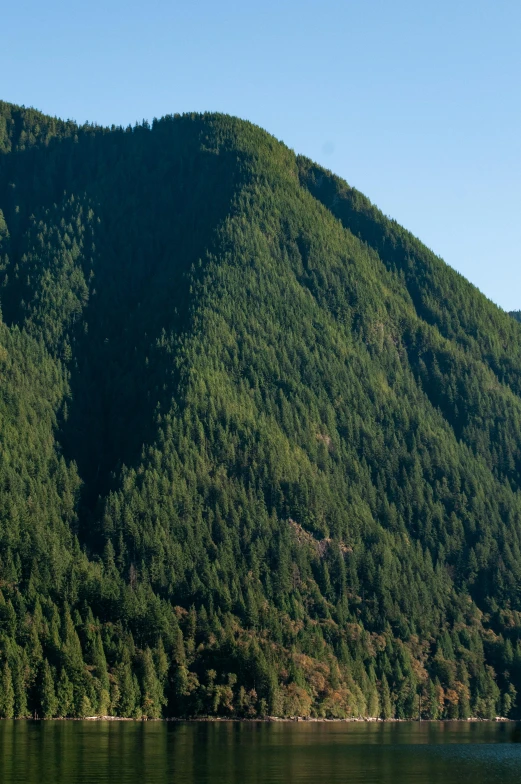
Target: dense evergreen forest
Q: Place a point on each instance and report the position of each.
(260, 448)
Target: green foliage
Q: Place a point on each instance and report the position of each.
(7, 696)
(48, 699)
(261, 449)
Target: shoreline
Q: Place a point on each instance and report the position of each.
(274, 720)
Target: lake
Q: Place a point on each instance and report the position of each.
(77, 752)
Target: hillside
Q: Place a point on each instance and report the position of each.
(261, 449)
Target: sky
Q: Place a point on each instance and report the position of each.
(417, 103)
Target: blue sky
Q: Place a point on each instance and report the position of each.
(417, 104)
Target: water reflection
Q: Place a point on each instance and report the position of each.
(59, 752)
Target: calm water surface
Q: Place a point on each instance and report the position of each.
(60, 752)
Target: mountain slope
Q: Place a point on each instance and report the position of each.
(266, 446)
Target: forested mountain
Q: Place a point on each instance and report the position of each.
(516, 314)
(260, 448)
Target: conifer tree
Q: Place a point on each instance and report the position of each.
(7, 695)
(385, 700)
(152, 691)
(64, 695)
(48, 700)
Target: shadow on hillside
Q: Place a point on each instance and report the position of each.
(159, 195)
